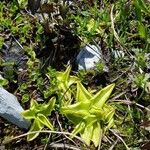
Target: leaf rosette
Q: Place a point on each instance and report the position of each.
(39, 114)
(90, 114)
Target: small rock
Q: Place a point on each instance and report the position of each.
(88, 57)
(10, 109)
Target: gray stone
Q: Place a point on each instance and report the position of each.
(10, 109)
(88, 57)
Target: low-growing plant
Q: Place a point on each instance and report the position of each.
(140, 59)
(3, 82)
(64, 81)
(90, 115)
(140, 8)
(91, 23)
(140, 80)
(39, 113)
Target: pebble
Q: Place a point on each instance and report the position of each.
(88, 57)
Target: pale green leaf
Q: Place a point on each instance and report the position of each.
(74, 119)
(79, 127)
(97, 134)
(67, 73)
(36, 126)
(33, 103)
(72, 80)
(41, 118)
(87, 134)
(97, 112)
(88, 112)
(64, 76)
(75, 111)
(28, 114)
(90, 119)
(59, 76)
(63, 86)
(82, 94)
(110, 124)
(109, 113)
(48, 108)
(77, 108)
(102, 96)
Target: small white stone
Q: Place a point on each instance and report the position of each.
(88, 57)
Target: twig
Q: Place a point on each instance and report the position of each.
(60, 140)
(66, 146)
(139, 105)
(44, 131)
(62, 130)
(120, 139)
(115, 33)
(111, 148)
(17, 42)
(59, 145)
(117, 96)
(99, 146)
(131, 103)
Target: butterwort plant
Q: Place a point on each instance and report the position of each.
(38, 113)
(90, 114)
(64, 81)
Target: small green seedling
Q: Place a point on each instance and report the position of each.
(90, 115)
(39, 113)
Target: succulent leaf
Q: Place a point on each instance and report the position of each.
(102, 96)
(88, 112)
(41, 118)
(36, 126)
(97, 134)
(82, 94)
(39, 113)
